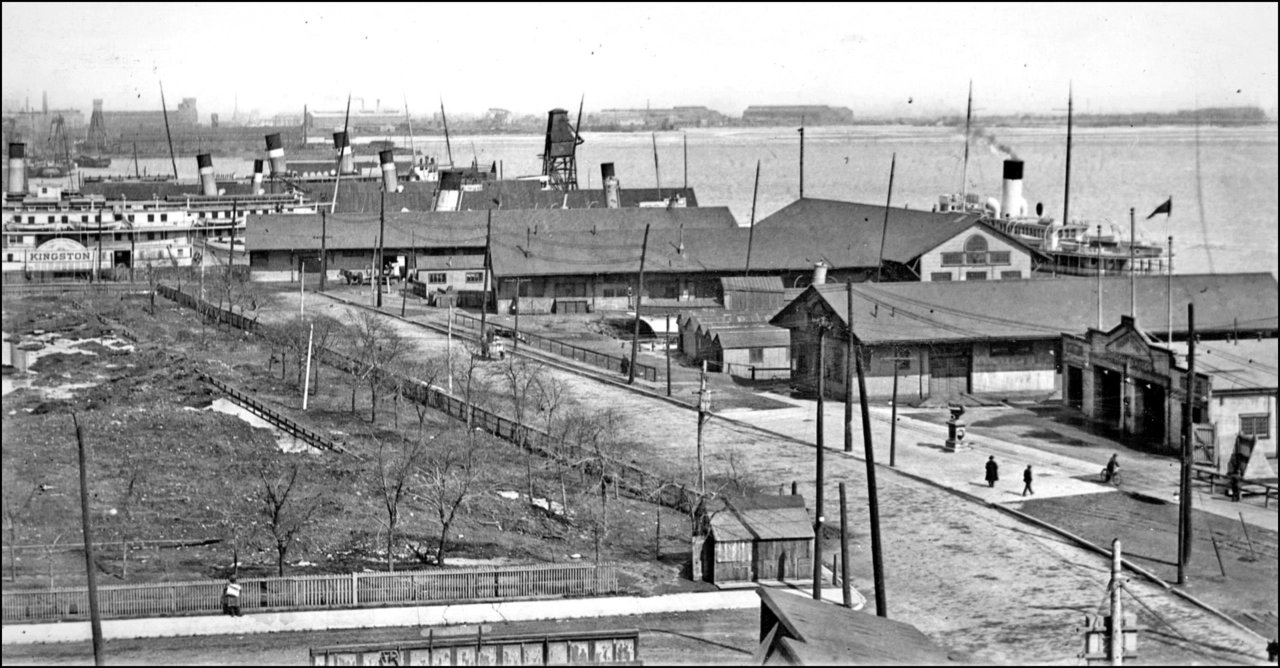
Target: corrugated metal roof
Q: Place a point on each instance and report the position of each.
(762, 524)
(751, 283)
(1039, 309)
(767, 336)
(512, 230)
(529, 194)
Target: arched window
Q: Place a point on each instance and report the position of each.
(975, 250)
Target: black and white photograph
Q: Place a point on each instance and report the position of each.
(706, 333)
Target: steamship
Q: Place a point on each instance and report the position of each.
(50, 232)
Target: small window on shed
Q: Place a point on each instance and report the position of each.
(436, 277)
(755, 355)
(940, 276)
(475, 277)
(1256, 425)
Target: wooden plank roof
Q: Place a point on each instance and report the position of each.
(823, 633)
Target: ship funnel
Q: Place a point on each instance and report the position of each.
(819, 272)
(17, 169)
(388, 161)
(257, 176)
(346, 161)
(1012, 204)
(612, 198)
(208, 186)
(275, 151)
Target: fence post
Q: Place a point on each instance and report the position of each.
(355, 590)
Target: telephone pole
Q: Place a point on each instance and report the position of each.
(91, 568)
(704, 407)
(635, 338)
(382, 226)
(822, 325)
(848, 369)
(1184, 488)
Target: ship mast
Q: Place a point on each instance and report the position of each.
(1066, 192)
(968, 116)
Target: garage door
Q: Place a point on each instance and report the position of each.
(948, 371)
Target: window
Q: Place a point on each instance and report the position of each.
(436, 277)
(952, 259)
(999, 257)
(975, 244)
(164, 217)
(940, 276)
(64, 219)
(475, 277)
(975, 275)
(1258, 425)
(1011, 348)
(151, 236)
(151, 218)
(1010, 275)
(755, 355)
(8, 257)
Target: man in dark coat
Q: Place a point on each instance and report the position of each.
(1026, 479)
(993, 471)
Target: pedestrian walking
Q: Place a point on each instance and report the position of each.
(1026, 479)
(993, 471)
(231, 598)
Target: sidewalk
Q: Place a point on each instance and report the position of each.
(417, 616)
(921, 451)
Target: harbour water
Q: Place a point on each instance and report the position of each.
(1224, 214)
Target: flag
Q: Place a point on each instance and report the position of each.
(1166, 209)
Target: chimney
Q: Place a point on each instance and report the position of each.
(1012, 204)
(346, 161)
(208, 186)
(612, 198)
(819, 272)
(257, 176)
(17, 169)
(388, 161)
(275, 151)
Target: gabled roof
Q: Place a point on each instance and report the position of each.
(823, 633)
(788, 523)
(847, 234)
(452, 229)
(1038, 309)
(530, 194)
(766, 336)
(751, 284)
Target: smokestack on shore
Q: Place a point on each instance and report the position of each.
(612, 198)
(1012, 204)
(346, 161)
(204, 163)
(388, 161)
(17, 169)
(275, 151)
(257, 176)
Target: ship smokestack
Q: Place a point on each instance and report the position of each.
(346, 161)
(1012, 204)
(275, 151)
(819, 273)
(208, 186)
(612, 196)
(388, 161)
(17, 169)
(257, 176)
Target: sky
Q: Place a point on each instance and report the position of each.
(898, 59)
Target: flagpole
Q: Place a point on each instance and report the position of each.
(1169, 293)
(1133, 292)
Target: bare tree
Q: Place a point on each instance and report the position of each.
(375, 345)
(552, 395)
(133, 484)
(287, 513)
(16, 505)
(521, 378)
(736, 479)
(424, 372)
(597, 436)
(450, 475)
(396, 467)
(474, 381)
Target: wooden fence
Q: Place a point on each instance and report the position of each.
(614, 363)
(312, 592)
(277, 420)
(19, 289)
(625, 478)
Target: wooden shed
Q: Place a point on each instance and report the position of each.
(759, 538)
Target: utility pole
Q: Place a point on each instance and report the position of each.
(302, 293)
(822, 325)
(1116, 629)
(1099, 268)
(668, 351)
(751, 234)
(873, 506)
(484, 301)
(801, 131)
(846, 588)
(635, 338)
(91, 568)
(382, 226)
(686, 164)
(404, 290)
(848, 368)
(893, 417)
(1184, 489)
(324, 253)
(306, 376)
(515, 340)
(704, 407)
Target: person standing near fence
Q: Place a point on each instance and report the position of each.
(231, 598)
